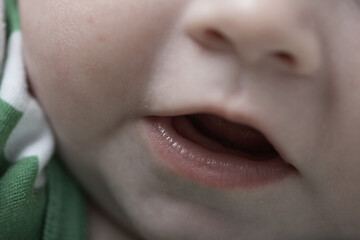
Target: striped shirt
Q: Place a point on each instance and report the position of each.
(38, 198)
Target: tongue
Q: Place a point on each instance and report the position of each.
(229, 134)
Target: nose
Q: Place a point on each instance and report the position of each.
(278, 33)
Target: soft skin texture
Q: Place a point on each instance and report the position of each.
(289, 67)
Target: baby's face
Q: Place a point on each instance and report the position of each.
(138, 92)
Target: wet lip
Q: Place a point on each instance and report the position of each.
(209, 165)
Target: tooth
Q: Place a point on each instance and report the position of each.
(169, 139)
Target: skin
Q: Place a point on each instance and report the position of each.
(100, 67)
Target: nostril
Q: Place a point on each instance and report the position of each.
(215, 35)
(285, 58)
(215, 39)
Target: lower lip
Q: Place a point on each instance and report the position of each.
(214, 169)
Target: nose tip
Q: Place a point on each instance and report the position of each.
(272, 32)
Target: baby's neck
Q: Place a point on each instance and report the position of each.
(101, 226)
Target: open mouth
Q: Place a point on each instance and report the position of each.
(216, 152)
(220, 135)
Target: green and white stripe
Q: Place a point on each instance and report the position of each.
(31, 206)
(26, 143)
(31, 136)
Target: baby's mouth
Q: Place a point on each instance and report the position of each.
(220, 135)
(216, 152)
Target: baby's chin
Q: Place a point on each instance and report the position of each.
(158, 199)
